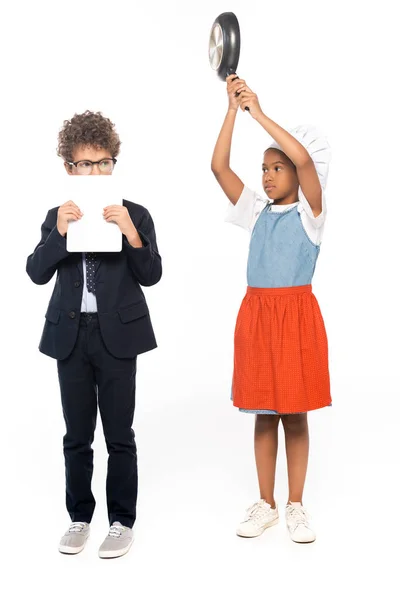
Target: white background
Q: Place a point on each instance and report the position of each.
(333, 64)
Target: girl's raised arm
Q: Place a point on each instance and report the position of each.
(220, 164)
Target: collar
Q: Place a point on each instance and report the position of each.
(280, 207)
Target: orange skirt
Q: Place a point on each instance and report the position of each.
(280, 352)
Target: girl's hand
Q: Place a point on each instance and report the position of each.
(250, 99)
(234, 85)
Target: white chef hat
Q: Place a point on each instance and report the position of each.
(316, 145)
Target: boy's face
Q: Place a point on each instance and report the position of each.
(85, 156)
(279, 178)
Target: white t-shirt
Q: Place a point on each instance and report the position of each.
(250, 205)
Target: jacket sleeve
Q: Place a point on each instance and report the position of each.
(145, 262)
(52, 248)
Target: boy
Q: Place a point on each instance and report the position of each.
(97, 322)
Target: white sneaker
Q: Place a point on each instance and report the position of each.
(75, 538)
(258, 518)
(297, 521)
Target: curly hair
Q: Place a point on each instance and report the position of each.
(87, 129)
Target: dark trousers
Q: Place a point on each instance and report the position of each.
(91, 376)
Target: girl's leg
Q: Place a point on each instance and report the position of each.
(297, 446)
(266, 449)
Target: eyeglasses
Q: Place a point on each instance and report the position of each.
(85, 167)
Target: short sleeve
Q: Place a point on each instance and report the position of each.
(305, 207)
(246, 210)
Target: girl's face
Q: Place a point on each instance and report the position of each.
(279, 178)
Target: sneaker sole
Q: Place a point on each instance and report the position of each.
(261, 531)
(114, 553)
(301, 541)
(70, 549)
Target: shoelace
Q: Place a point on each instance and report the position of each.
(116, 531)
(256, 511)
(298, 515)
(76, 527)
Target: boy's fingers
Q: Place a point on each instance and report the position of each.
(70, 209)
(73, 212)
(70, 203)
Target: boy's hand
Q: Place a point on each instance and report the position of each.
(120, 215)
(234, 86)
(250, 99)
(67, 212)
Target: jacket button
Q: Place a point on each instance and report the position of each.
(77, 283)
(72, 314)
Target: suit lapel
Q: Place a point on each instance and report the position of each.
(80, 265)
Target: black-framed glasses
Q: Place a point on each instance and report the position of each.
(85, 167)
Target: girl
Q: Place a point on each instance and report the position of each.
(280, 346)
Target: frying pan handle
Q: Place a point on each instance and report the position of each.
(237, 77)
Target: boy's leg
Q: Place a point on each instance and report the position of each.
(297, 446)
(116, 380)
(79, 402)
(266, 448)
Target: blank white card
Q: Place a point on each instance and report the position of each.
(92, 194)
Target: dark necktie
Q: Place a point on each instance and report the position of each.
(90, 271)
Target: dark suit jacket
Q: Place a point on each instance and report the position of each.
(122, 310)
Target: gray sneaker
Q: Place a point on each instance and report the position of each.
(118, 541)
(75, 538)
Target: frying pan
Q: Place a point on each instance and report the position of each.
(224, 45)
